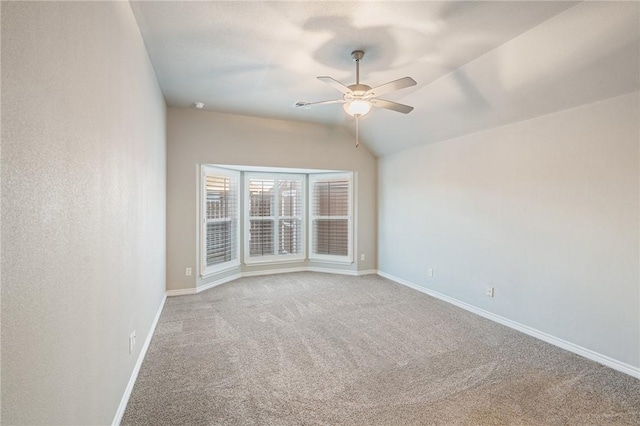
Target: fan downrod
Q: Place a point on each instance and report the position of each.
(357, 55)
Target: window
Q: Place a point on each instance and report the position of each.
(331, 227)
(220, 213)
(277, 217)
(274, 220)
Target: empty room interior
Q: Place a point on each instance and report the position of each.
(318, 213)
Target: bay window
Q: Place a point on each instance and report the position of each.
(277, 222)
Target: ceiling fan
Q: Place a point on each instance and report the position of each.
(358, 99)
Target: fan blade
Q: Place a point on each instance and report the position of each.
(301, 104)
(401, 83)
(335, 83)
(393, 106)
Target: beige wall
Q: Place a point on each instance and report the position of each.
(546, 211)
(83, 208)
(198, 137)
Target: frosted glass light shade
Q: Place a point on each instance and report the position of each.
(357, 107)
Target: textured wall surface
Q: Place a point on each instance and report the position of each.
(198, 137)
(546, 211)
(83, 208)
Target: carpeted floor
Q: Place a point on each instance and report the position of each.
(320, 349)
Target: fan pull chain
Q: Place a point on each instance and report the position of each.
(357, 136)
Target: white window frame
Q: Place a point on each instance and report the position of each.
(205, 270)
(276, 257)
(348, 259)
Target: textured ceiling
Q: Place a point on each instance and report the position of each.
(478, 64)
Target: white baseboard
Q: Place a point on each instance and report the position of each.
(218, 282)
(188, 291)
(331, 271)
(273, 271)
(367, 272)
(181, 292)
(136, 369)
(571, 347)
(342, 271)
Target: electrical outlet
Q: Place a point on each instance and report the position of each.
(490, 291)
(430, 272)
(132, 341)
(187, 272)
(362, 257)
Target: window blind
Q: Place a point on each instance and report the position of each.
(220, 219)
(331, 227)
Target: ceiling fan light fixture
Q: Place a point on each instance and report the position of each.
(358, 99)
(357, 107)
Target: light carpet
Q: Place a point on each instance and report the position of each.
(319, 349)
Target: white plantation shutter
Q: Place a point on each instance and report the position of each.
(330, 217)
(220, 214)
(262, 217)
(274, 225)
(290, 220)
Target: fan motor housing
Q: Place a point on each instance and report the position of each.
(359, 89)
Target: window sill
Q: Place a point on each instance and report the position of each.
(332, 261)
(273, 261)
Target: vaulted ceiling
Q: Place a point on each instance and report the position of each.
(477, 64)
